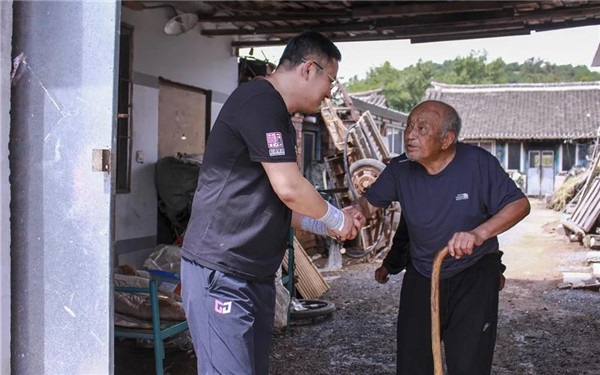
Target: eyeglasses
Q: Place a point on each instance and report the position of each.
(332, 79)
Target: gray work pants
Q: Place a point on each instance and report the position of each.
(230, 320)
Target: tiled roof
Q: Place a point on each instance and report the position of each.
(372, 96)
(566, 110)
(378, 110)
(375, 102)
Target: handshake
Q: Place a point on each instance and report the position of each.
(341, 224)
(354, 220)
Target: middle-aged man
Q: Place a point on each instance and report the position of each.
(249, 192)
(457, 195)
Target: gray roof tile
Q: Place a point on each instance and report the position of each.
(568, 110)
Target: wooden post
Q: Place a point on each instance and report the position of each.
(436, 344)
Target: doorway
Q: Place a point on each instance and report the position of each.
(183, 119)
(540, 172)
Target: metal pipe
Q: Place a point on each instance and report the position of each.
(346, 170)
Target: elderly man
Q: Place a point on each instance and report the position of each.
(457, 195)
(249, 192)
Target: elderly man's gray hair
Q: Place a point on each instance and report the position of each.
(452, 123)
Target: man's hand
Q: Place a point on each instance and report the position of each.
(462, 243)
(350, 229)
(381, 275)
(356, 214)
(353, 223)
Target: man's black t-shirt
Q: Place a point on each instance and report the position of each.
(238, 225)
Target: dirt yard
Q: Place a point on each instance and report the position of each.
(542, 330)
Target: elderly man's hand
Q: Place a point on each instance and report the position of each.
(381, 275)
(350, 229)
(462, 243)
(356, 214)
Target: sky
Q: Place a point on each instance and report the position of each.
(575, 46)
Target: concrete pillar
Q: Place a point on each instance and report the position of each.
(63, 112)
(6, 9)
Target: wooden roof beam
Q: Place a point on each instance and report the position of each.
(434, 7)
(422, 37)
(280, 16)
(381, 24)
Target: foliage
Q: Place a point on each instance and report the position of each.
(405, 88)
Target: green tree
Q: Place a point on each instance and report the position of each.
(496, 72)
(415, 79)
(468, 70)
(405, 88)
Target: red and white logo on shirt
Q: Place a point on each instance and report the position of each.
(275, 144)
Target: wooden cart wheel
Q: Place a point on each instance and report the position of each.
(436, 343)
(363, 173)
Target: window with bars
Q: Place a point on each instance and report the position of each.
(514, 156)
(123, 147)
(568, 156)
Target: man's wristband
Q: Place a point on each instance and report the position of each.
(333, 219)
(313, 226)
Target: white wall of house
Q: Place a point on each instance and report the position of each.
(190, 59)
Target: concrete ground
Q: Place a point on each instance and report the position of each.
(541, 331)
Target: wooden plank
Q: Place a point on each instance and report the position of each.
(591, 174)
(587, 211)
(592, 212)
(374, 131)
(584, 208)
(581, 211)
(361, 142)
(310, 284)
(572, 227)
(335, 126)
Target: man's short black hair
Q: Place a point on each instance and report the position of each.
(309, 45)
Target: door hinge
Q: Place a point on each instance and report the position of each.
(100, 160)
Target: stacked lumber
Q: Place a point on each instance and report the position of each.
(310, 284)
(334, 124)
(583, 220)
(586, 213)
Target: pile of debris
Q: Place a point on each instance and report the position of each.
(582, 212)
(361, 155)
(581, 223)
(584, 280)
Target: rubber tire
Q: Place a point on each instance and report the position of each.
(380, 166)
(367, 162)
(316, 308)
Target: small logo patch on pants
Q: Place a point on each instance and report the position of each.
(222, 307)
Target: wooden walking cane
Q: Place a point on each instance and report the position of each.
(436, 344)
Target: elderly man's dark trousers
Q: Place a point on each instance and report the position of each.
(469, 318)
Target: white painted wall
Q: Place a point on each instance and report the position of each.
(6, 17)
(190, 59)
(137, 209)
